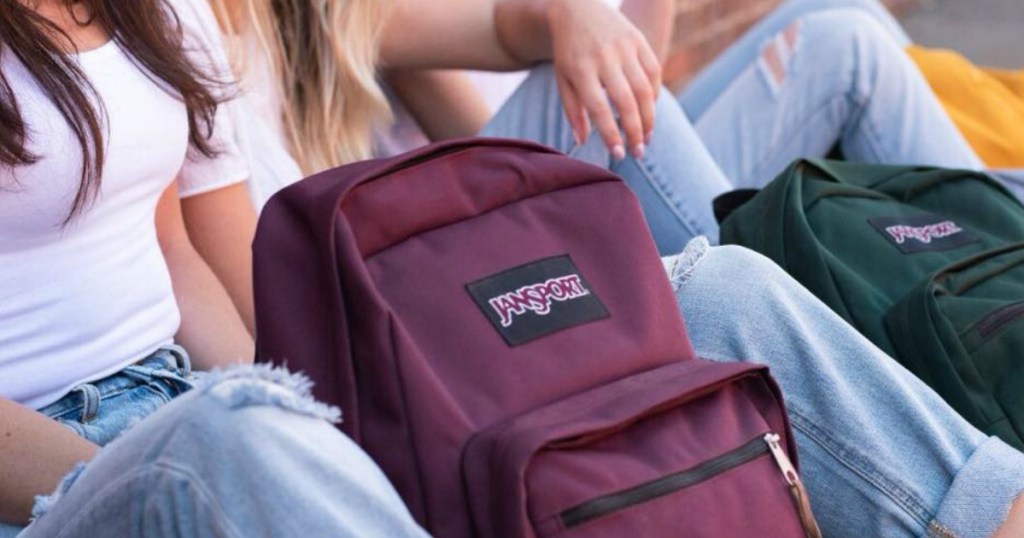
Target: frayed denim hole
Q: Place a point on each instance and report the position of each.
(263, 384)
(775, 59)
(688, 260)
(44, 503)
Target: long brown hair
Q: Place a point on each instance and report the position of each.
(148, 30)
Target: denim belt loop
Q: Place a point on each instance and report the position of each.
(90, 402)
(184, 363)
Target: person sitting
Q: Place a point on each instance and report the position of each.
(883, 455)
(812, 77)
(100, 287)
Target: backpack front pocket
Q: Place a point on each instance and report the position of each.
(962, 331)
(689, 446)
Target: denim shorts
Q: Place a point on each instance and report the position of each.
(99, 410)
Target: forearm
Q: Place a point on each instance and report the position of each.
(606, 71)
(35, 453)
(444, 34)
(488, 35)
(221, 225)
(211, 328)
(445, 104)
(654, 18)
(526, 28)
(523, 27)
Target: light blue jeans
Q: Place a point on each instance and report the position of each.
(807, 80)
(675, 180)
(881, 454)
(1012, 179)
(701, 92)
(248, 453)
(245, 453)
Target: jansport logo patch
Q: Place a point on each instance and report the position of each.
(923, 233)
(537, 299)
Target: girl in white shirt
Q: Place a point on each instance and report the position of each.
(102, 106)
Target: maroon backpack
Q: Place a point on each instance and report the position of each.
(495, 324)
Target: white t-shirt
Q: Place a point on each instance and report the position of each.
(231, 165)
(253, 118)
(260, 131)
(81, 301)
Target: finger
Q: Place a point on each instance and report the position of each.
(621, 95)
(595, 101)
(645, 96)
(651, 66)
(574, 111)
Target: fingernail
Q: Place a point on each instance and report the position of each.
(618, 152)
(638, 151)
(647, 138)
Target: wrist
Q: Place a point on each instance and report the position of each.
(524, 27)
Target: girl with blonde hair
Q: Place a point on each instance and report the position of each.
(882, 454)
(323, 59)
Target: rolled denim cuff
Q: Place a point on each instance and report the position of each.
(981, 495)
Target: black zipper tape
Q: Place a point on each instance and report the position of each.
(648, 491)
(998, 319)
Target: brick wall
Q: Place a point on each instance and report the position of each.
(706, 27)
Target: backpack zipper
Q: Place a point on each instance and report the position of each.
(998, 319)
(759, 446)
(796, 487)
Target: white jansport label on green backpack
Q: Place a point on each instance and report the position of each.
(923, 233)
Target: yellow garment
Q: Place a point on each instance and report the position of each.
(987, 105)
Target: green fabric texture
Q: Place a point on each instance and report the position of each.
(927, 263)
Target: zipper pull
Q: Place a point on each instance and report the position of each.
(781, 459)
(796, 487)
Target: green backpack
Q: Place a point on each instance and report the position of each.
(927, 263)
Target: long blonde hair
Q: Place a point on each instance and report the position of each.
(324, 53)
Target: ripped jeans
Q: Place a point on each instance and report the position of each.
(815, 74)
(240, 453)
(880, 453)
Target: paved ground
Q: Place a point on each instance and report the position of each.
(990, 32)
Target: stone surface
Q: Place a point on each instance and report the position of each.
(989, 32)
